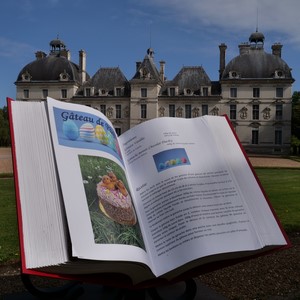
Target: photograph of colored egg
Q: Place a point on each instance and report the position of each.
(171, 158)
(85, 131)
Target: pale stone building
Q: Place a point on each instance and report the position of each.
(254, 89)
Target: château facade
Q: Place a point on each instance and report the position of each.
(254, 89)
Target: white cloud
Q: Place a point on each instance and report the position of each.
(236, 16)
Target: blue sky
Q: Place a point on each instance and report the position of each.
(119, 32)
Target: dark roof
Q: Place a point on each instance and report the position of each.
(256, 63)
(191, 77)
(108, 79)
(49, 69)
(256, 37)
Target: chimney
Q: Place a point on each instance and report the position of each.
(162, 70)
(276, 49)
(222, 48)
(244, 48)
(138, 64)
(40, 54)
(65, 53)
(82, 65)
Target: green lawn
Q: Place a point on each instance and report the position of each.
(281, 185)
(9, 245)
(283, 189)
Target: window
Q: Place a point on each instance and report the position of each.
(278, 137)
(45, 93)
(256, 92)
(255, 137)
(205, 91)
(118, 131)
(26, 94)
(88, 92)
(188, 111)
(172, 92)
(279, 92)
(118, 111)
(64, 93)
(204, 109)
(232, 112)
(143, 92)
(171, 110)
(278, 114)
(118, 92)
(143, 111)
(233, 92)
(103, 108)
(255, 112)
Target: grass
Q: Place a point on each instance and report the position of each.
(9, 243)
(281, 185)
(283, 189)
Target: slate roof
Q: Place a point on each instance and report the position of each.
(108, 79)
(256, 63)
(192, 78)
(49, 68)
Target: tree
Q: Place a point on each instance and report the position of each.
(295, 141)
(4, 128)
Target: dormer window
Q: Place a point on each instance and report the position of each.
(233, 74)
(188, 92)
(205, 91)
(119, 91)
(103, 92)
(26, 76)
(144, 73)
(64, 76)
(88, 91)
(172, 91)
(279, 74)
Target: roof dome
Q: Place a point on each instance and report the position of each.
(256, 37)
(256, 63)
(50, 68)
(57, 43)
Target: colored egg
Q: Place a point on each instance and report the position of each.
(87, 132)
(173, 162)
(99, 132)
(70, 130)
(104, 140)
(183, 160)
(167, 163)
(111, 139)
(178, 161)
(161, 166)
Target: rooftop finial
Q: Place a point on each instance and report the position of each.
(257, 19)
(150, 34)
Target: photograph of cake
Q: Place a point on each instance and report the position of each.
(109, 201)
(114, 200)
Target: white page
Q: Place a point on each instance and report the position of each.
(180, 181)
(44, 230)
(75, 148)
(266, 225)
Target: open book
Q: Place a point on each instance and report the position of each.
(168, 198)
